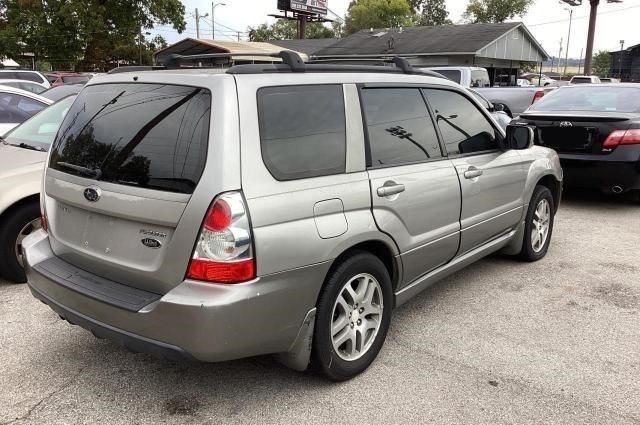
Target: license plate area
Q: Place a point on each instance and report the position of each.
(567, 139)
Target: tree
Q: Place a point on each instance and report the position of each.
(83, 34)
(602, 63)
(433, 12)
(283, 29)
(364, 14)
(485, 11)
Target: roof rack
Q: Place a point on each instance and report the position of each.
(291, 62)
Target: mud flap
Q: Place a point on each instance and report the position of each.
(299, 354)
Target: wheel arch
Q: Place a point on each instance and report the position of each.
(554, 185)
(379, 249)
(17, 204)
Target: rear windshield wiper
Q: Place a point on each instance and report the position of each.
(88, 172)
(28, 146)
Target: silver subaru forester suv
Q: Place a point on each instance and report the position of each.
(277, 209)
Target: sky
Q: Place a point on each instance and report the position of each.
(548, 21)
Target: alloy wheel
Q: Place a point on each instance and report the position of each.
(541, 225)
(357, 317)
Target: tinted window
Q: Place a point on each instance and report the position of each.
(399, 126)
(32, 87)
(30, 106)
(581, 80)
(75, 79)
(302, 131)
(8, 75)
(452, 74)
(153, 136)
(29, 76)
(591, 98)
(464, 128)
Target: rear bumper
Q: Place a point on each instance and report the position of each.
(194, 321)
(620, 168)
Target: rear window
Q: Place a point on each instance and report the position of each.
(452, 74)
(302, 131)
(76, 79)
(591, 99)
(152, 136)
(581, 80)
(29, 76)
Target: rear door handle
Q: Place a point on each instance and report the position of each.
(390, 189)
(472, 173)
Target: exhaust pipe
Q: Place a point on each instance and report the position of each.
(617, 190)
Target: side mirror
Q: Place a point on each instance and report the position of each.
(519, 137)
(498, 107)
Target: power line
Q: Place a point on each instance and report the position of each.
(582, 17)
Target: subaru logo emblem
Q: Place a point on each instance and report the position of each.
(92, 194)
(566, 124)
(151, 243)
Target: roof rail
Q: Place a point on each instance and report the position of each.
(134, 68)
(292, 59)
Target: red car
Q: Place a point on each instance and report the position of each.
(63, 77)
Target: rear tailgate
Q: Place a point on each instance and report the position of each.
(122, 176)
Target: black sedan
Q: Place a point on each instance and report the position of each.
(596, 131)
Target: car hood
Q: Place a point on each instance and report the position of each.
(15, 160)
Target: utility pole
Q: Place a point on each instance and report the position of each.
(588, 60)
(197, 24)
(580, 60)
(566, 59)
(559, 55)
(621, 56)
(302, 26)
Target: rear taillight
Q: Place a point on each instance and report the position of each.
(537, 96)
(622, 137)
(224, 250)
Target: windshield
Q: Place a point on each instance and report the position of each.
(41, 129)
(591, 98)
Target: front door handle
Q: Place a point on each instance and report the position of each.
(472, 173)
(390, 189)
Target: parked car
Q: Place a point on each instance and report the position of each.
(543, 81)
(23, 152)
(60, 92)
(610, 80)
(61, 78)
(17, 106)
(596, 131)
(514, 100)
(216, 215)
(29, 86)
(25, 75)
(523, 82)
(498, 113)
(585, 79)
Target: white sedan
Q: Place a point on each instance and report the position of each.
(17, 106)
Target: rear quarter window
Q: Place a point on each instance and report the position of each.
(152, 136)
(302, 131)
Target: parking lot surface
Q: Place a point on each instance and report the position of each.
(502, 342)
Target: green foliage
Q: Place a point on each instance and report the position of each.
(365, 14)
(83, 34)
(283, 29)
(602, 63)
(433, 12)
(485, 11)
(529, 67)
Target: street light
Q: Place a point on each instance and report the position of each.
(566, 58)
(213, 20)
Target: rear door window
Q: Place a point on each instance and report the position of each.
(399, 127)
(302, 130)
(152, 136)
(463, 127)
(29, 76)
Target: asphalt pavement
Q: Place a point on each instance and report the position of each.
(501, 342)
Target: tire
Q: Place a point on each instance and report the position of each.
(14, 222)
(342, 364)
(534, 249)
